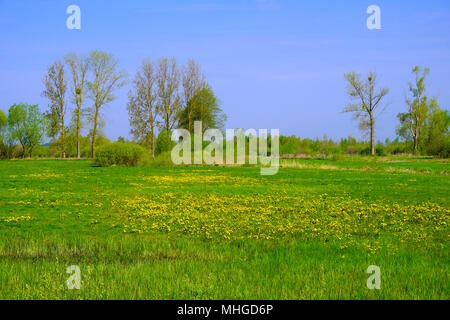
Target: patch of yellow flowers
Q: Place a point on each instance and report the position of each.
(195, 178)
(15, 219)
(280, 215)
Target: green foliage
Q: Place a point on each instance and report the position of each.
(162, 159)
(3, 127)
(396, 147)
(365, 151)
(3, 121)
(296, 147)
(337, 157)
(121, 154)
(9, 151)
(106, 80)
(379, 151)
(445, 152)
(26, 125)
(164, 142)
(424, 123)
(435, 133)
(290, 145)
(55, 91)
(203, 106)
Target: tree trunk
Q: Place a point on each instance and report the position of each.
(415, 145)
(23, 150)
(153, 143)
(94, 133)
(63, 137)
(416, 140)
(189, 120)
(372, 145)
(78, 133)
(167, 122)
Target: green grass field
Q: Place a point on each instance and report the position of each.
(309, 232)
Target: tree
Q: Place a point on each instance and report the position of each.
(55, 91)
(435, 131)
(26, 125)
(367, 108)
(193, 81)
(3, 127)
(412, 121)
(3, 123)
(106, 80)
(142, 105)
(204, 107)
(164, 142)
(78, 67)
(168, 81)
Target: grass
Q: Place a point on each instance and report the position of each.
(389, 163)
(309, 232)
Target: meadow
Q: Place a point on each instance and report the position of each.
(214, 232)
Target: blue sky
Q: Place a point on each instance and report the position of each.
(272, 63)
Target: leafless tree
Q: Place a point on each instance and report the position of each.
(142, 104)
(193, 80)
(55, 91)
(368, 104)
(78, 67)
(169, 100)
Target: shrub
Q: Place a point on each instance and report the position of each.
(379, 151)
(365, 151)
(445, 152)
(121, 154)
(9, 151)
(164, 142)
(163, 159)
(337, 156)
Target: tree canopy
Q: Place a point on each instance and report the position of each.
(26, 125)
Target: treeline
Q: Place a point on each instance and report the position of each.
(165, 95)
(294, 146)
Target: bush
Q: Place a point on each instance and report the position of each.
(9, 152)
(337, 156)
(379, 151)
(121, 154)
(163, 159)
(164, 142)
(445, 152)
(365, 151)
(396, 147)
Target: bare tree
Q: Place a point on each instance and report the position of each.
(106, 80)
(78, 67)
(168, 81)
(193, 81)
(55, 91)
(366, 109)
(142, 104)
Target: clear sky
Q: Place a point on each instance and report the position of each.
(272, 63)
